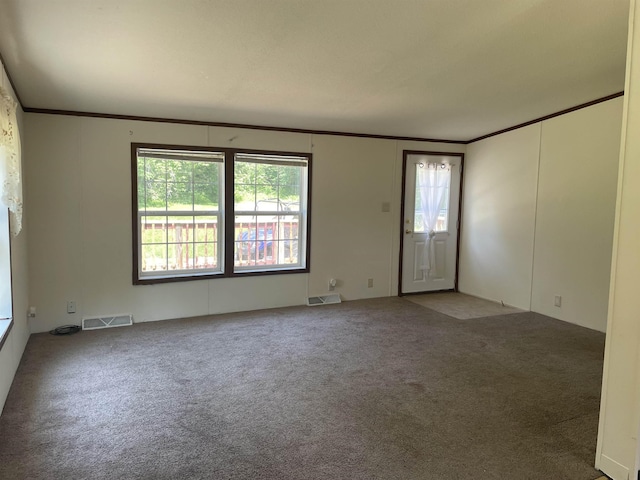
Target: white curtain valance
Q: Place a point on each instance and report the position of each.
(10, 163)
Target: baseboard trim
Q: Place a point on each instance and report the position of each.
(612, 468)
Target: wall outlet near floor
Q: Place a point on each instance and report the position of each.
(71, 307)
(370, 283)
(557, 301)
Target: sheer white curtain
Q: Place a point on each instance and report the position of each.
(10, 166)
(432, 181)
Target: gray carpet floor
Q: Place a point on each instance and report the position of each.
(371, 389)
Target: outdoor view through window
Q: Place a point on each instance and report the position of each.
(189, 222)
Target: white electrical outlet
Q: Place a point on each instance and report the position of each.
(71, 307)
(332, 284)
(370, 283)
(557, 301)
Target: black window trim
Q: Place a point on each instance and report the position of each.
(228, 215)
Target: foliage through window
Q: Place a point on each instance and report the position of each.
(267, 209)
(190, 222)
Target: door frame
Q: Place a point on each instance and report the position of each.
(405, 154)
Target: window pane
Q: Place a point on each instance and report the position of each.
(288, 234)
(244, 186)
(245, 198)
(266, 182)
(276, 184)
(179, 171)
(442, 224)
(172, 181)
(206, 229)
(155, 195)
(154, 258)
(155, 170)
(153, 229)
(436, 189)
(141, 185)
(206, 172)
(205, 197)
(418, 222)
(290, 197)
(265, 192)
(180, 256)
(267, 235)
(206, 255)
(266, 240)
(270, 205)
(286, 252)
(254, 241)
(180, 196)
(244, 173)
(179, 229)
(245, 245)
(289, 175)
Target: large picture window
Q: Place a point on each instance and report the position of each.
(207, 212)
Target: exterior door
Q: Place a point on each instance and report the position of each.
(429, 239)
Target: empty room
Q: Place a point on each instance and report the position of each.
(319, 240)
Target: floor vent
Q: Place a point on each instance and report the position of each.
(107, 321)
(323, 300)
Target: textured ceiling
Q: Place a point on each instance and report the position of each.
(448, 69)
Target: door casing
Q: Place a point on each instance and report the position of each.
(405, 154)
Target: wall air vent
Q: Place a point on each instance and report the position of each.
(107, 321)
(323, 300)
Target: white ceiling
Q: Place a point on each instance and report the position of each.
(448, 69)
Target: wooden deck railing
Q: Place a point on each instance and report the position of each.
(194, 245)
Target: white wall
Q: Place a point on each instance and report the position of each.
(618, 445)
(79, 187)
(351, 236)
(352, 178)
(538, 211)
(12, 350)
(575, 214)
(498, 218)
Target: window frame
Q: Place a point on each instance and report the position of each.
(6, 323)
(227, 215)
